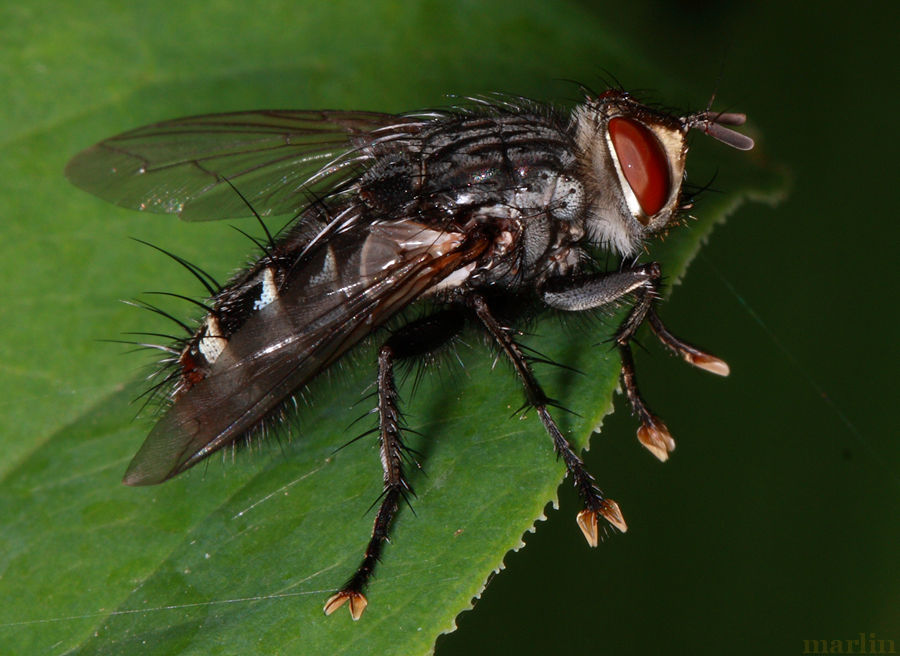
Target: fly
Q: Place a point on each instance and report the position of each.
(481, 214)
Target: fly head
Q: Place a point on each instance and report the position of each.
(633, 161)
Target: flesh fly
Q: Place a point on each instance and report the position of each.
(482, 214)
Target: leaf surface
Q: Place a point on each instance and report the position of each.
(238, 557)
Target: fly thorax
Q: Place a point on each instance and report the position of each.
(389, 184)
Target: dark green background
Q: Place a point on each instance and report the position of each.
(774, 520)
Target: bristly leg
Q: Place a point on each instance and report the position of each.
(395, 487)
(414, 339)
(642, 283)
(653, 433)
(595, 503)
(688, 352)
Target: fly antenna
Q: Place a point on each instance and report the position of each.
(713, 124)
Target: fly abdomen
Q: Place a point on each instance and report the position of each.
(292, 317)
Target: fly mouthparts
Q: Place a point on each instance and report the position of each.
(712, 123)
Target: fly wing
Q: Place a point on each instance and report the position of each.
(329, 303)
(275, 158)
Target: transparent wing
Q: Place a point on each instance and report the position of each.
(272, 157)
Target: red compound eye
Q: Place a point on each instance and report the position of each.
(643, 162)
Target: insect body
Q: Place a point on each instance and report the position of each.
(481, 213)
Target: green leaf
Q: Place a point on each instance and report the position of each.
(238, 557)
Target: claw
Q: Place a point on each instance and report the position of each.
(357, 601)
(611, 513)
(587, 520)
(656, 437)
(707, 362)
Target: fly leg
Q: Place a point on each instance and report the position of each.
(688, 352)
(416, 338)
(642, 282)
(595, 503)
